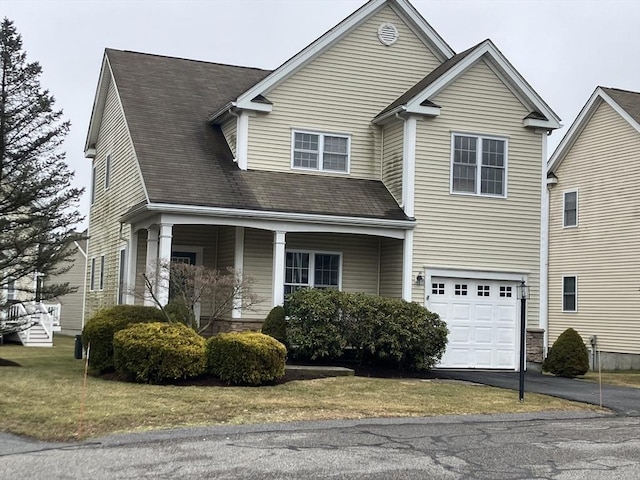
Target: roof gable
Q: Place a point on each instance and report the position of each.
(401, 7)
(417, 98)
(624, 102)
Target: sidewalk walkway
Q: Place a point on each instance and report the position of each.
(622, 400)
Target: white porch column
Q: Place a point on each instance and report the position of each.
(278, 267)
(164, 258)
(151, 262)
(132, 257)
(238, 266)
(407, 266)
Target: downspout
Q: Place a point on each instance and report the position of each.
(544, 250)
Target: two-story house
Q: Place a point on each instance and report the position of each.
(594, 230)
(375, 160)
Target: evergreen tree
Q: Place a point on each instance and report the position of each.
(38, 206)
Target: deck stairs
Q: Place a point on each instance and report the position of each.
(37, 323)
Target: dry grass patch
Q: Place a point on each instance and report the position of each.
(42, 399)
(624, 378)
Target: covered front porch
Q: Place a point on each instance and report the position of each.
(281, 254)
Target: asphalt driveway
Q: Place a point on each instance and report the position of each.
(622, 400)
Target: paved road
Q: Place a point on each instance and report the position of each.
(549, 446)
(622, 400)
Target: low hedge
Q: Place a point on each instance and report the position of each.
(101, 327)
(324, 324)
(158, 352)
(246, 358)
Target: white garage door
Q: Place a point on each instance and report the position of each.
(481, 316)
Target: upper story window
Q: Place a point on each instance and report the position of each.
(93, 185)
(570, 209)
(320, 151)
(107, 172)
(479, 165)
(12, 293)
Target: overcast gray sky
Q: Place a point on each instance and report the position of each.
(563, 48)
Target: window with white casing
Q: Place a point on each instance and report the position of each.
(92, 280)
(570, 294)
(320, 151)
(312, 270)
(12, 293)
(479, 165)
(107, 172)
(570, 209)
(93, 185)
(102, 266)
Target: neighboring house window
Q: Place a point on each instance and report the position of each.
(107, 172)
(101, 284)
(321, 151)
(11, 289)
(570, 294)
(92, 281)
(93, 185)
(311, 269)
(122, 269)
(570, 209)
(479, 165)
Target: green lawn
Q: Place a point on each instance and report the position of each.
(43, 398)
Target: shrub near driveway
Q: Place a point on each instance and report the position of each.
(323, 324)
(158, 352)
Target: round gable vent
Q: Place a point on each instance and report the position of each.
(388, 34)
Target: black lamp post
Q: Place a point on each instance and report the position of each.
(523, 294)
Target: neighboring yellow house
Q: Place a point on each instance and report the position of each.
(375, 160)
(594, 229)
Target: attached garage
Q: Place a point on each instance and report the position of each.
(482, 318)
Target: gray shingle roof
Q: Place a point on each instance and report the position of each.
(629, 101)
(184, 160)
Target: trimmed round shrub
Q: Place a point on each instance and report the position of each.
(158, 352)
(245, 358)
(275, 325)
(568, 357)
(99, 331)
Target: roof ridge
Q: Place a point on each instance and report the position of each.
(186, 59)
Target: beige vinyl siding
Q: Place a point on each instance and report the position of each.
(392, 150)
(226, 247)
(71, 303)
(125, 190)
(229, 130)
(603, 251)
(474, 232)
(341, 91)
(258, 261)
(391, 267)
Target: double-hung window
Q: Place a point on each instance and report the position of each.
(479, 165)
(570, 294)
(12, 293)
(107, 172)
(570, 209)
(102, 272)
(320, 151)
(311, 270)
(92, 280)
(93, 185)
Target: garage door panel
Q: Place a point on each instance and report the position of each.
(483, 335)
(481, 319)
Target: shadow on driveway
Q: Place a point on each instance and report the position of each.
(622, 400)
